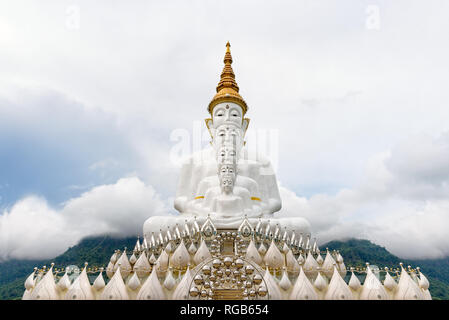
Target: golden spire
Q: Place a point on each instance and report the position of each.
(227, 89)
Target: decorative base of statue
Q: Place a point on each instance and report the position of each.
(154, 225)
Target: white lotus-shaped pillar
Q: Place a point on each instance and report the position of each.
(46, 288)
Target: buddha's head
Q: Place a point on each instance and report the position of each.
(226, 155)
(231, 128)
(229, 135)
(227, 113)
(227, 106)
(226, 175)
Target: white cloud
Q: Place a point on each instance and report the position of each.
(421, 166)
(119, 208)
(32, 229)
(69, 145)
(401, 204)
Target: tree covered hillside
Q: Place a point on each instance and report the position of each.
(98, 250)
(357, 252)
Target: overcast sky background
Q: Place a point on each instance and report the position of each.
(357, 92)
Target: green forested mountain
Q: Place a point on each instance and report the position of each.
(95, 250)
(357, 252)
(98, 250)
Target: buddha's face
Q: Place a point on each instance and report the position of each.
(227, 155)
(227, 177)
(229, 135)
(227, 113)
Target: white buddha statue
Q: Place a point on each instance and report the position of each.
(227, 148)
(201, 191)
(227, 127)
(226, 204)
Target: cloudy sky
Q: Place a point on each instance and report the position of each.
(94, 95)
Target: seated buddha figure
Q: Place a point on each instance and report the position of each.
(227, 153)
(223, 201)
(199, 173)
(227, 126)
(201, 191)
(215, 190)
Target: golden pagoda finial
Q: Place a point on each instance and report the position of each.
(227, 88)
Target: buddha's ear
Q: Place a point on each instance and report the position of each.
(210, 127)
(245, 125)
